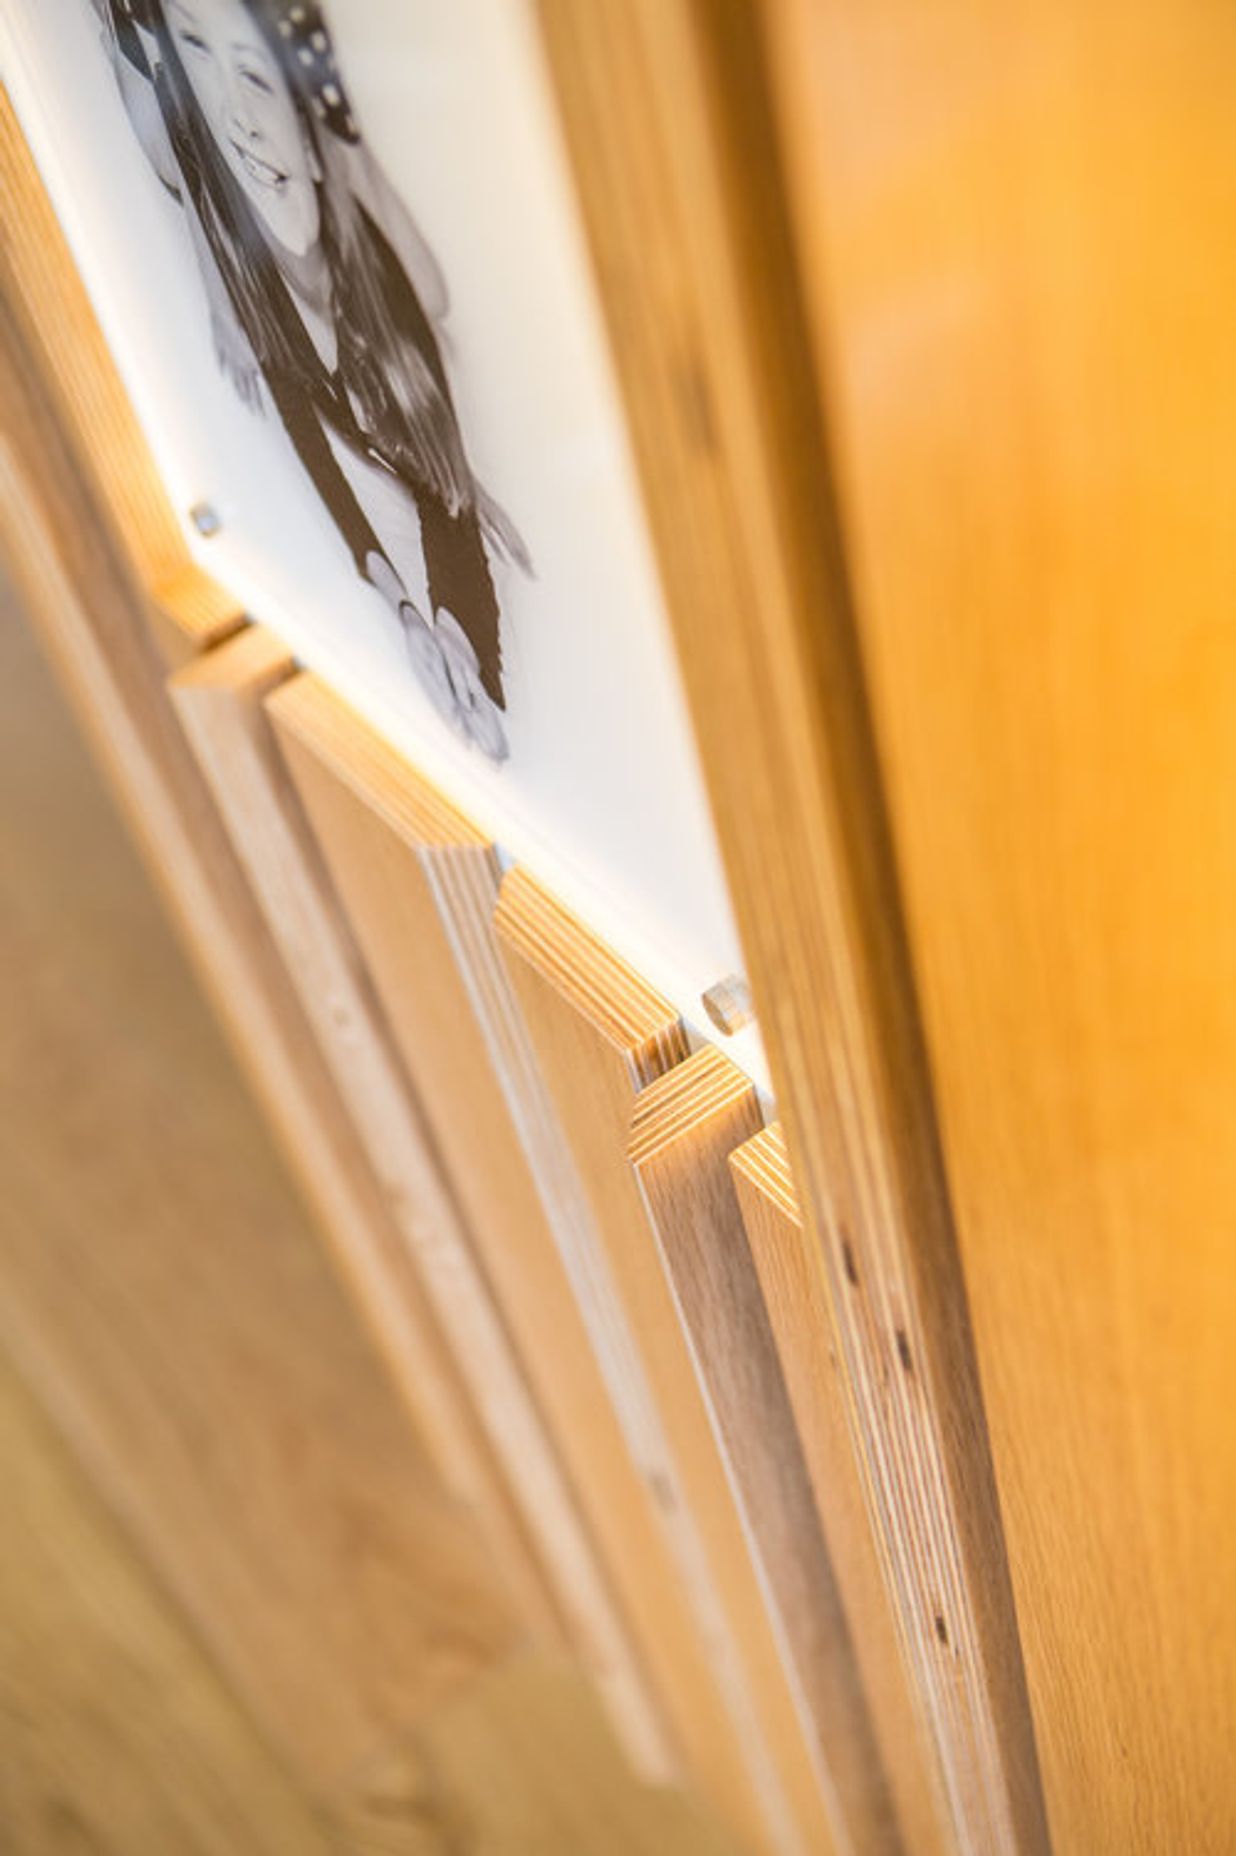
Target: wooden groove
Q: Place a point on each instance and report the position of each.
(686, 1127)
(599, 1036)
(668, 119)
(419, 884)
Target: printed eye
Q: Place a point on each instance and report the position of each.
(254, 80)
(193, 42)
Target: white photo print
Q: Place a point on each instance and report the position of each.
(336, 254)
(324, 298)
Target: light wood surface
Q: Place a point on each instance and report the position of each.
(221, 701)
(115, 1733)
(1016, 230)
(259, 1462)
(419, 884)
(667, 116)
(189, 612)
(161, 1292)
(686, 1126)
(601, 1035)
(795, 1297)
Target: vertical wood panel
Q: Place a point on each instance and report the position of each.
(1016, 229)
(418, 884)
(667, 114)
(795, 1297)
(686, 1126)
(221, 702)
(601, 1035)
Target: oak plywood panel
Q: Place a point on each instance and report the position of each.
(687, 1124)
(601, 1035)
(795, 1298)
(668, 117)
(1016, 228)
(419, 884)
(221, 701)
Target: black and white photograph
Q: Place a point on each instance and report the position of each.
(334, 248)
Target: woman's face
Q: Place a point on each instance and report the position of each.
(248, 108)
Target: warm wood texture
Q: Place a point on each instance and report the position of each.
(795, 1297)
(1016, 233)
(601, 1035)
(190, 612)
(221, 701)
(419, 884)
(162, 1293)
(667, 117)
(686, 1126)
(115, 1733)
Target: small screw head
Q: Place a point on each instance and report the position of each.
(728, 1004)
(206, 519)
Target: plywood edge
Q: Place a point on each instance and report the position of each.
(682, 1102)
(309, 711)
(764, 1162)
(622, 1008)
(197, 607)
(251, 660)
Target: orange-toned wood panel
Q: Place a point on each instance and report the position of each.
(1016, 224)
(668, 119)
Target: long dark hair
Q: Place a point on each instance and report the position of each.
(393, 377)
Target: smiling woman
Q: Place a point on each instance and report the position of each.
(323, 298)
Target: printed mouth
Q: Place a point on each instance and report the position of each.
(261, 171)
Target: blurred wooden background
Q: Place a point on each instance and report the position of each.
(238, 1611)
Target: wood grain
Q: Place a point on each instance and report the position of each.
(667, 115)
(795, 1297)
(1015, 228)
(686, 1126)
(221, 701)
(601, 1035)
(116, 1733)
(419, 884)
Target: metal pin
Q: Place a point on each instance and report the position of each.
(206, 519)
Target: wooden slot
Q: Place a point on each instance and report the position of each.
(601, 1035)
(686, 1126)
(419, 885)
(671, 126)
(796, 1301)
